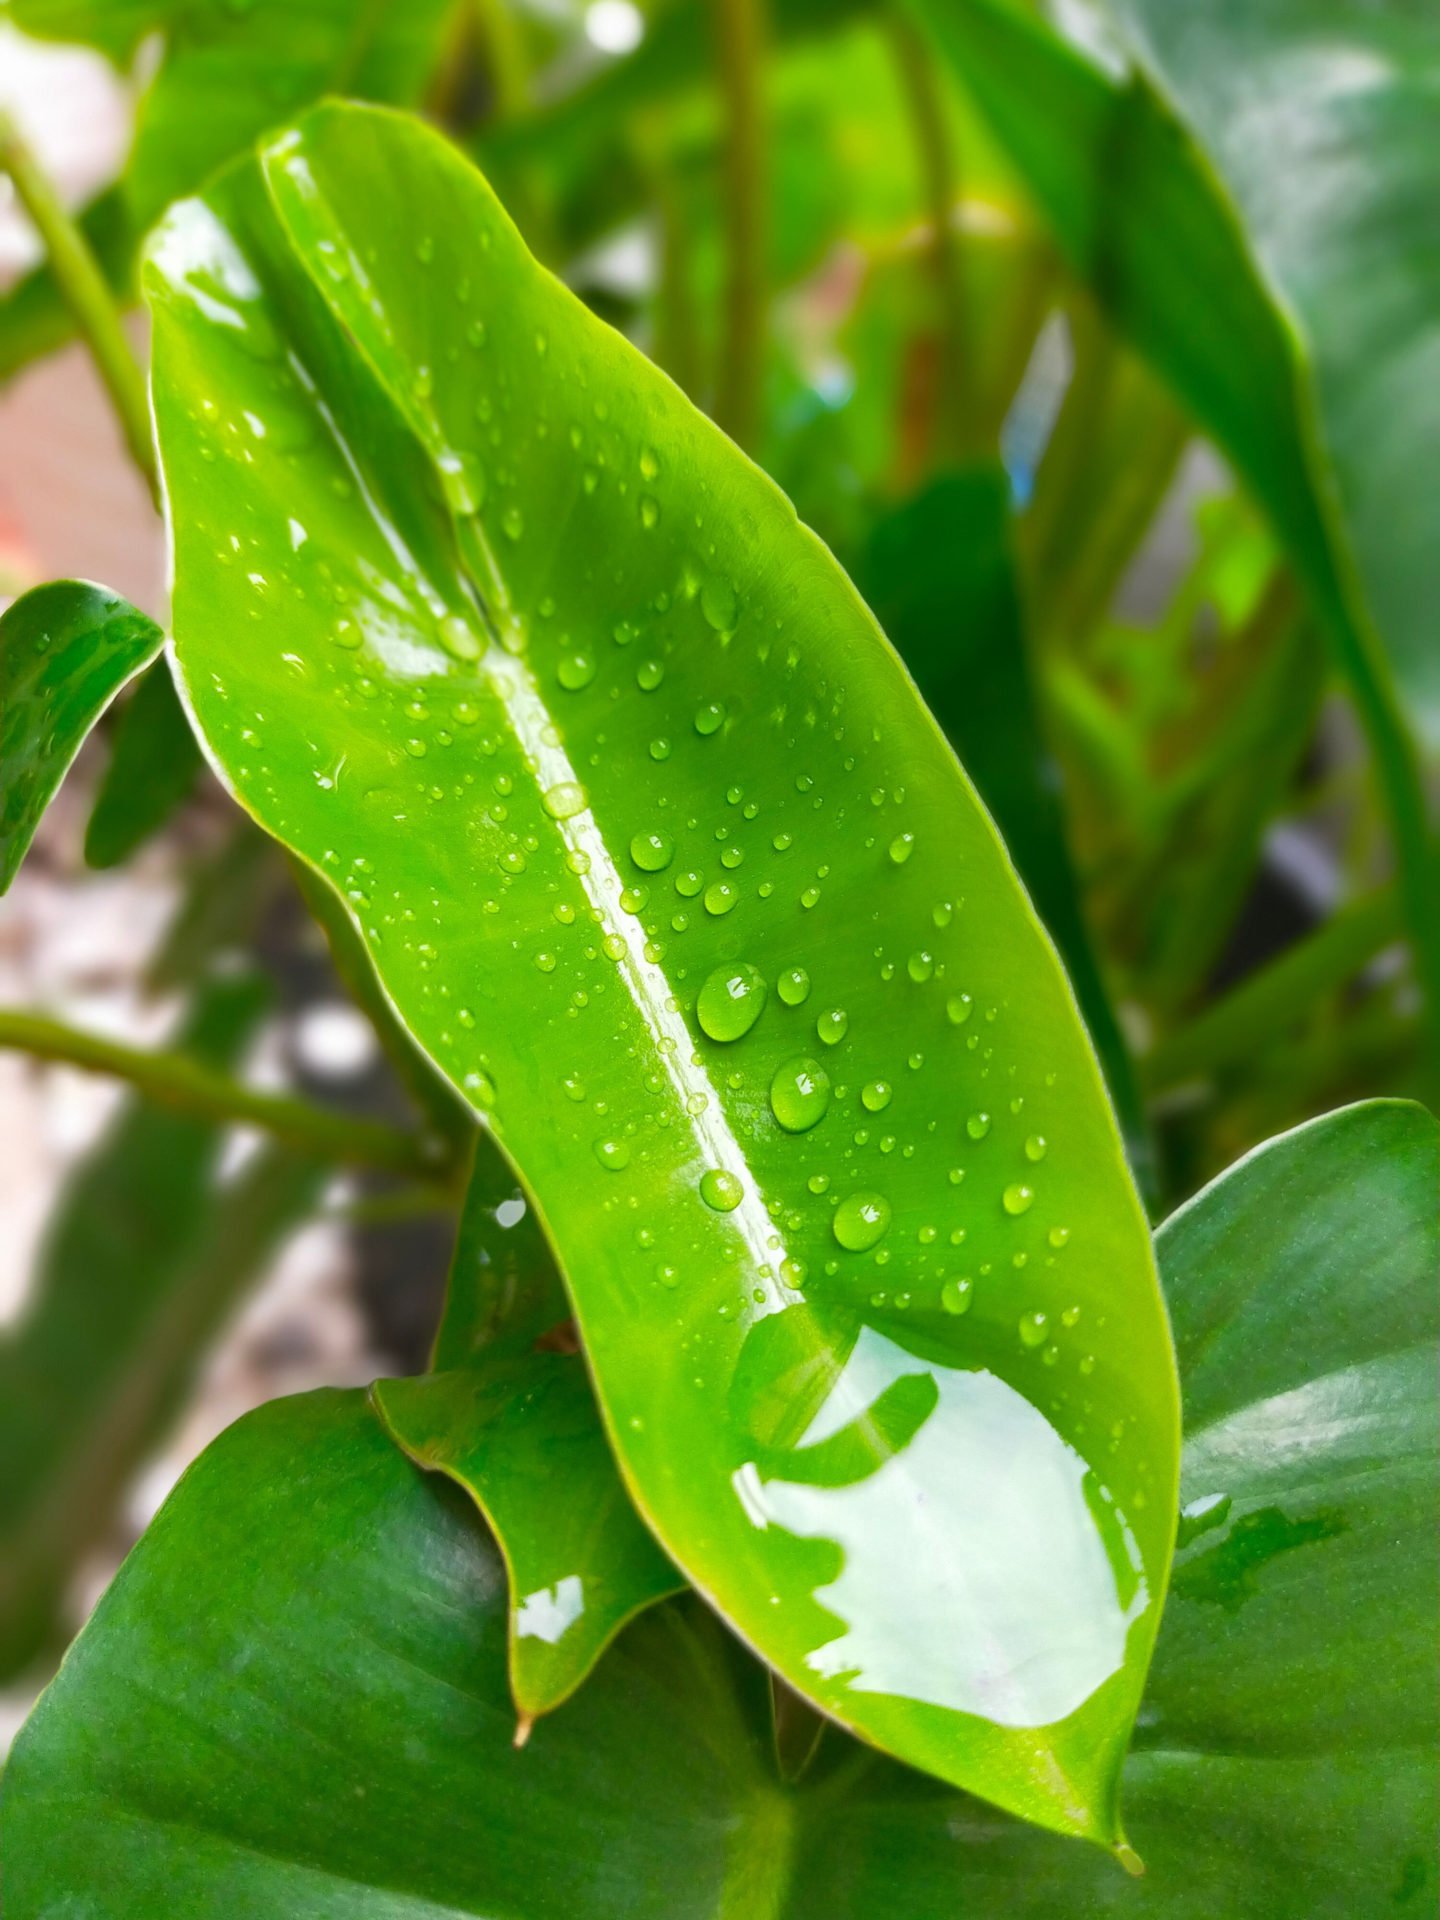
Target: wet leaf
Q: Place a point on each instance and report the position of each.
(251, 1698)
(65, 651)
(510, 1416)
(660, 859)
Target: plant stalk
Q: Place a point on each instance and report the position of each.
(86, 292)
(740, 37)
(173, 1080)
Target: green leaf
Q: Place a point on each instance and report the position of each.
(228, 69)
(1249, 192)
(65, 651)
(510, 1415)
(301, 1598)
(941, 578)
(154, 763)
(142, 1260)
(613, 767)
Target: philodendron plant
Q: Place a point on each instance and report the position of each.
(803, 1304)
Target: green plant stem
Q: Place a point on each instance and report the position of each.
(86, 293)
(954, 399)
(181, 1083)
(1251, 1017)
(740, 37)
(677, 335)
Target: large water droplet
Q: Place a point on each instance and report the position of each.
(956, 1295)
(720, 896)
(978, 1125)
(652, 852)
(958, 1008)
(709, 718)
(831, 1026)
(799, 1094)
(1017, 1198)
(877, 1096)
(730, 1001)
(1033, 1328)
(901, 848)
(612, 1153)
(565, 799)
(1035, 1147)
(793, 986)
(721, 1190)
(860, 1221)
(576, 670)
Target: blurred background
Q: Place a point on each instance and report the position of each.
(841, 244)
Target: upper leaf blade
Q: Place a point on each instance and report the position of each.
(661, 860)
(66, 650)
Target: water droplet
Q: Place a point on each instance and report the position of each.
(721, 1190)
(793, 986)
(831, 1025)
(720, 896)
(956, 1295)
(612, 1154)
(901, 848)
(978, 1125)
(860, 1221)
(818, 1182)
(709, 718)
(649, 674)
(545, 962)
(920, 966)
(565, 799)
(649, 463)
(1035, 1147)
(459, 639)
(577, 860)
(660, 748)
(1017, 1198)
(958, 1009)
(652, 852)
(576, 670)
(799, 1095)
(513, 860)
(689, 883)
(809, 897)
(719, 604)
(1057, 1236)
(1033, 1328)
(513, 521)
(729, 1003)
(877, 1096)
(649, 511)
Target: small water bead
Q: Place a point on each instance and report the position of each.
(730, 1002)
(1034, 1327)
(545, 962)
(901, 848)
(732, 857)
(719, 604)
(709, 718)
(810, 897)
(831, 1026)
(513, 860)
(459, 638)
(689, 883)
(818, 1182)
(1057, 1236)
(877, 1096)
(634, 899)
(783, 842)
(978, 1125)
(578, 861)
(956, 1295)
(720, 896)
(793, 986)
(576, 670)
(649, 511)
(800, 1095)
(721, 1190)
(860, 1221)
(613, 1154)
(649, 463)
(513, 522)
(652, 852)
(565, 799)
(649, 674)
(1017, 1199)
(1035, 1147)
(920, 967)
(958, 1009)
(943, 913)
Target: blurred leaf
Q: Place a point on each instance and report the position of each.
(228, 70)
(143, 1258)
(303, 1596)
(510, 1416)
(154, 763)
(65, 651)
(941, 578)
(517, 846)
(1250, 193)
(225, 900)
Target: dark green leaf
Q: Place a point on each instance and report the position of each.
(154, 762)
(225, 1732)
(1250, 192)
(510, 1416)
(612, 766)
(142, 1260)
(65, 652)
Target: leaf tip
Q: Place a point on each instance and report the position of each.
(524, 1722)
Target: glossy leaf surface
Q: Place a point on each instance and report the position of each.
(1250, 191)
(661, 860)
(141, 1261)
(509, 1414)
(1267, 1793)
(65, 651)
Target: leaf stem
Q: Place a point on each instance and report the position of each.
(1269, 1002)
(740, 36)
(176, 1081)
(953, 414)
(86, 292)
